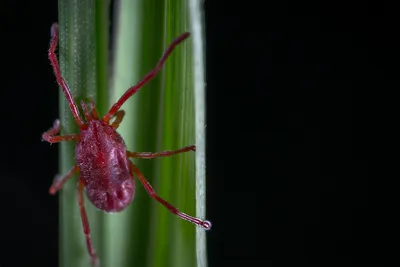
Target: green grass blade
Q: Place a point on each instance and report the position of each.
(161, 116)
(139, 36)
(82, 55)
(167, 114)
(198, 64)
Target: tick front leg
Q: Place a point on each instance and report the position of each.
(119, 116)
(203, 223)
(85, 223)
(131, 91)
(59, 180)
(60, 80)
(150, 155)
(49, 135)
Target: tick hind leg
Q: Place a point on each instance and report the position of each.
(85, 224)
(50, 137)
(150, 155)
(203, 223)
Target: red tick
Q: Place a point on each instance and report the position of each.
(106, 173)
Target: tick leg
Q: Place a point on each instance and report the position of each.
(60, 80)
(49, 135)
(119, 116)
(85, 223)
(150, 155)
(203, 223)
(59, 180)
(131, 91)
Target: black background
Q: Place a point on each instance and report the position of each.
(292, 112)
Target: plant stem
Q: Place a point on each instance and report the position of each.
(85, 72)
(167, 113)
(197, 24)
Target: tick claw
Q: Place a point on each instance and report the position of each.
(54, 29)
(206, 225)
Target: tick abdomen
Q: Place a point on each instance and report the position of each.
(104, 167)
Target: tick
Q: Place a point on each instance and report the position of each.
(102, 159)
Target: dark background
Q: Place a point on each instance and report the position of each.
(292, 115)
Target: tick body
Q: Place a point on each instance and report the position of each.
(104, 167)
(102, 160)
